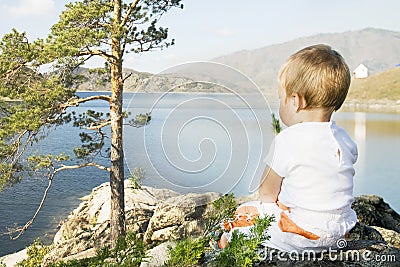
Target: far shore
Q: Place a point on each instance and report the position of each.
(350, 105)
(372, 106)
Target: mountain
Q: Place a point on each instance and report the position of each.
(98, 79)
(377, 49)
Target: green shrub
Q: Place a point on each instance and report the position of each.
(242, 250)
(276, 125)
(222, 209)
(36, 253)
(136, 178)
(128, 252)
(186, 253)
(74, 263)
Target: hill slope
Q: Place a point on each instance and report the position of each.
(381, 86)
(375, 48)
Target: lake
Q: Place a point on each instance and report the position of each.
(194, 143)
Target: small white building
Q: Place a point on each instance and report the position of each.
(360, 72)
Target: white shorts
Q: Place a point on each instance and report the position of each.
(329, 226)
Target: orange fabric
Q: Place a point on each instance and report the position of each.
(282, 206)
(287, 225)
(244, 216)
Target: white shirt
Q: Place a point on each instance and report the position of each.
(316, 161)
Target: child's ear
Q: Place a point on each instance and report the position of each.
(298, 102)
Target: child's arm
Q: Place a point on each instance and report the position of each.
(270, 185)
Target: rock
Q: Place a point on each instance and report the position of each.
(12, 259)
(243, 199)
(159, 194)
(373, 211)
(364, 232)
(157, 214)
(179, 216)
(390, 236)
(158, 255)
(168, 233)
(81, 255)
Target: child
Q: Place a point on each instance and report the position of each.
(308, 180)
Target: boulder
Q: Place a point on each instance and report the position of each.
(12, 259)
(389, 236)
(158, 255)
(179, 216)
(373, 211)
(364, 232)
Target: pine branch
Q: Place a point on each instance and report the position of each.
(51, 174)
(128, 14)
(22, 230)
(16, 143)
(8, 75)
(22, 151)
(80, 166)
(99, 126)
(127, 76)
(76, 101)
(19, 147)
(95, 52)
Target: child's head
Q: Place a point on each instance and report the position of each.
(319, 75)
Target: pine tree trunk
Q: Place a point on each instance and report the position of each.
(117, 220)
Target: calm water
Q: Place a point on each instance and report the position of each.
(194, 143)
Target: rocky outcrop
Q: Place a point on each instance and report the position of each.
(389, 236)
(373, 211)
(161, 216)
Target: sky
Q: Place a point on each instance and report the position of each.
(206, 29)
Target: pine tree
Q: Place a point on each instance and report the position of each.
(31, 101)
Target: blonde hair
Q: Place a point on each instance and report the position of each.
(317, 73)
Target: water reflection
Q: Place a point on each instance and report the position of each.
(360, 133)
(378, 140)
(360, 128)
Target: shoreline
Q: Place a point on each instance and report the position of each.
(372, 106)
(169, 92)
(350, 105)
